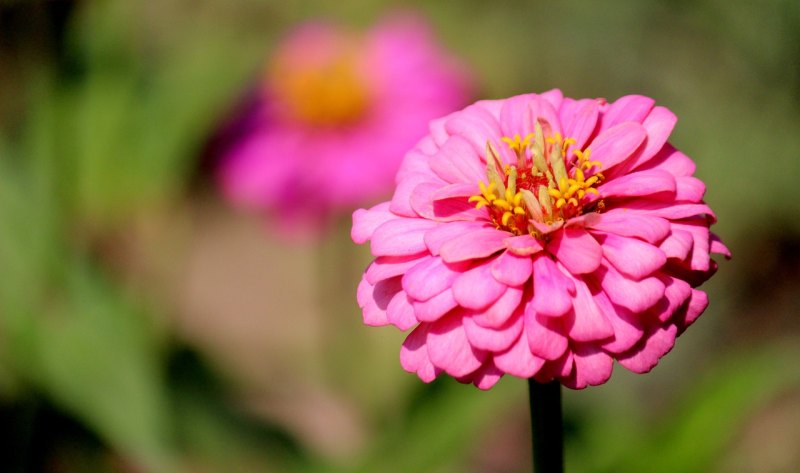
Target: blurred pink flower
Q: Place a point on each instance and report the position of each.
(336, 113)
(543, 237)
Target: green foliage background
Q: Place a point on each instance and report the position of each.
(106, 114)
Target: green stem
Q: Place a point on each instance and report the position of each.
(546, 427)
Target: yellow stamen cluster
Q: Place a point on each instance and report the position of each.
(571, 190)
(544, 185)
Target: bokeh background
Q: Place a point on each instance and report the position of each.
(148, 326)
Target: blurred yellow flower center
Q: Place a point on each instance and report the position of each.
(327, 93)
(550, 182)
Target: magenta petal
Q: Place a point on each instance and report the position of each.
(400, 312)
(696, 306)
(656, 184)
(492, 339)
(628, 326)
(523, 245)
(576, 249)
(671, 160)
(371, 313)
(414, 355)
(385, 267)
(512, 270)
(645, 356)
(647, 228)
(476, 288)
(690, 189)
(478, 244)
(718, 247)
(457, 161)
(580, 120)
(476, 126)
(486, 376)
(438, 236)
(677, 245)
(592, 366)
(501, 310)
(590, 324)
(632, 257)
(636, 296)
(615, 145)
(436, 307)
(546, 338)
(449, 348)
(366, 221)
(428, 278)
(518, 359)
(401, 200)
(552, 290)
(633, 108)
(403, 236)
(659, 124)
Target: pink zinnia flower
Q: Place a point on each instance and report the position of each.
(543, 237)
(336, 113)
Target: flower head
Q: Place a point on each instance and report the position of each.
(336, 112)
(543, 237)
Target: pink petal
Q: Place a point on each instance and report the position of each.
(366, 221)
(400, 237)
(477, 244)
(676, 292)
(486, 376)
(634, 108)
(696, 306)
(552, 290)
(434, 308)
(671, 160)
(373, 300)
(546, 337)
(449, 348)
(636, 296)
(670, 211)
(400, 312)
(659, 124)
(647, 228)
(632, 257)
(476, 126)
(690, 189)
(579, 120)
(414, 355)
(492, 339)
(385, 267)
(518, 359)
(592, 366)
(718, 247)
(628, 327)
(512, 270)
(523, 245)
(701, 242)
(457, 161)
(438, 236)
(645, 356)
(428, 278)
(616, 144)
(590, 323)
(677, 245)
(401, 200)
(476, 288)
(515, 115)
(576, 249)
(501, 310)
(657, 184)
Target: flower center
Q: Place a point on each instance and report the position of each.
(324, 92)
(551, 181)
